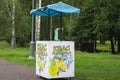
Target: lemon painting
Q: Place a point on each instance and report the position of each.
(55, 59)
(53, 69)
(61, 60)
(42, 56)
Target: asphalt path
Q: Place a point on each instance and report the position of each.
(14, 71)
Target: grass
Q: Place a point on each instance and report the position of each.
(106, 46)
(18, 55)
(91, 66)
(99, 66)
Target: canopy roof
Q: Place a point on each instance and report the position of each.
(55, 10)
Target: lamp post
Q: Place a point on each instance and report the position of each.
(32, 43)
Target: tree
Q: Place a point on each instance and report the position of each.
(23, 22)
(13, 39)
(84, 29)
(38, 21)
(98, 17)
(5, 17)
(113, 17)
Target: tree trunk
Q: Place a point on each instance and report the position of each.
(119, 43)
(102, 39)
(13, 39)
(112, 45)
(95, 42)
(38, 22)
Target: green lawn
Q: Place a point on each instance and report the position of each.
(106, 46)
(97, 66)
(18, 55)
(91, 66)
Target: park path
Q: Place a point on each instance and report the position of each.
(14, 71)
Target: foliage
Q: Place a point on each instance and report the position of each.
(98, 17)
(22, 21)
(4, 20)
(84, 29)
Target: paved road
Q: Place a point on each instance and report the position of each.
(14, 71)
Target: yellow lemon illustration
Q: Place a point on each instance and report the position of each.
(53, 69)
(63, 67)
(60, 62)
(41, 64)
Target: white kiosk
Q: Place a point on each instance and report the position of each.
(55, 59)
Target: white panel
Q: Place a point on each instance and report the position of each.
(55, 59)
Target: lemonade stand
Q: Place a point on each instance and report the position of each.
(55, 59)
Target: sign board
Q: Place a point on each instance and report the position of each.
(55, 59)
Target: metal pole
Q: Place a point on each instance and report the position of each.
(32, 43)
(61, 27)
(49, 28)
